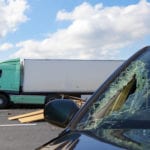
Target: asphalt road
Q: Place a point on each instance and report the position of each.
(17, 136)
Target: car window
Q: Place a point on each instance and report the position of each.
(121, 114)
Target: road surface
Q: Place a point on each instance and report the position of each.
(17, 136)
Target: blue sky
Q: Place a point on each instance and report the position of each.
(73, 29)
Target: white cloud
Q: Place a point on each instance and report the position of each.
(11, 15)
(5, 46)
(95, 32)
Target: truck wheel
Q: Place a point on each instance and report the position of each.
(3, 101)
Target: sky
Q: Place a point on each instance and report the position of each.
(73, 29)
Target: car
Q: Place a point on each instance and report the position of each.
(116, 116)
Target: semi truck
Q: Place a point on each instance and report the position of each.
(35, 81)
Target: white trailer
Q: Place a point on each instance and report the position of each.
(30, 80)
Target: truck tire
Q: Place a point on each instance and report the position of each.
(4, 101)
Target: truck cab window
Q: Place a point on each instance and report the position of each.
(0, 73)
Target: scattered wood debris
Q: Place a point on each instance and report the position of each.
(79, 101)
(29, 117)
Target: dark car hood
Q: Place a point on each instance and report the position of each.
(77, 141)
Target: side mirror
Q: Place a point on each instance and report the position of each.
(60, 112)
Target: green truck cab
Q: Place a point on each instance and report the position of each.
(10, 76)
(11, 85)
(9, 80)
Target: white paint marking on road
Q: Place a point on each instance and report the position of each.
(15, 125)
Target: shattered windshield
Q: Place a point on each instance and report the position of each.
(121, 114)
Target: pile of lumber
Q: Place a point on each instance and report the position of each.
(29, 117)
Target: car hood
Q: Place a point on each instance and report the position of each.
(77, 141)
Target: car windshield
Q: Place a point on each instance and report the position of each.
(121, 115)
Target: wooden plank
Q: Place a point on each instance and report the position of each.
(26, 115)
(32, 118)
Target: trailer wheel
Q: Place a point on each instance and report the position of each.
(50, 98)
(4, 101)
